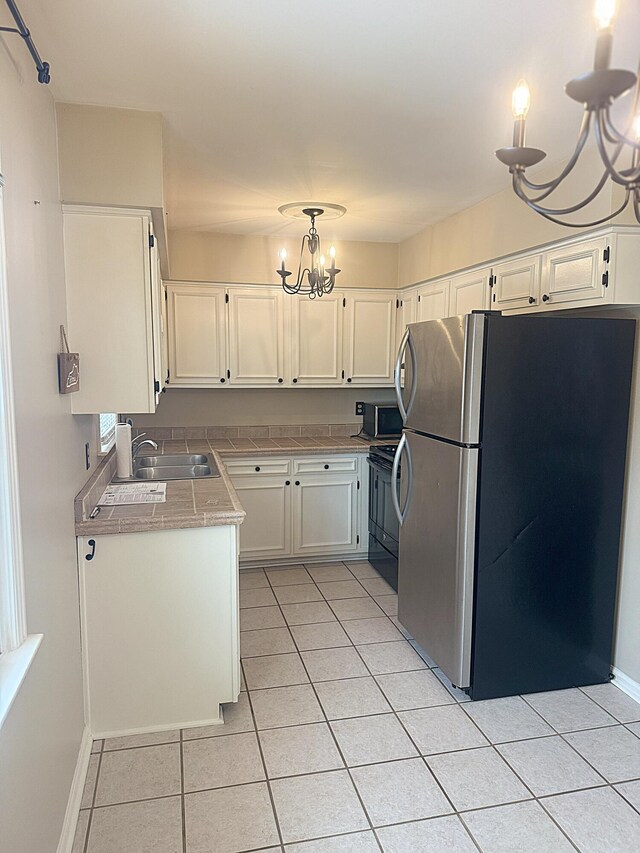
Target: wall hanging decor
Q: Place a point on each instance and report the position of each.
(68, 366)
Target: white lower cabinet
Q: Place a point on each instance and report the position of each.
(266, 530)
(301, 506)
(325, 512)
(160, 628)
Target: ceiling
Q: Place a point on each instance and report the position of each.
(393, 109)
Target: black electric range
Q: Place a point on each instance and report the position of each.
(384, 529)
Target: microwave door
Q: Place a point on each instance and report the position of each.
(445, 367)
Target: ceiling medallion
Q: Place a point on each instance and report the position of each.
(597, 90)
(316, 279)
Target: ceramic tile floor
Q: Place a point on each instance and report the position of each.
(350, 741)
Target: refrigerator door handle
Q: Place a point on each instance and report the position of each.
(401, 513)
(406, 341)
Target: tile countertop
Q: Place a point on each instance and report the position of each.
(195, 503)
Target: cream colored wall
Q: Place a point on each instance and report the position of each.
(110, 156)
(268, 406)
(238, 259)
(497, 226)
(40, 738)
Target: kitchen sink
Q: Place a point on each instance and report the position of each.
(175, 466)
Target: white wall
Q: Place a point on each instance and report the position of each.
(40, 739)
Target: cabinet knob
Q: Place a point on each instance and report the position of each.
(257, 467)
(349, 379)
(326, 467)
(294, 381)
(222, 379)
(532, 300)
(297, 482)
(281, 381)
(287, 482)
(546, 297)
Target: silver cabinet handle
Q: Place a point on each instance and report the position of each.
(401, 513)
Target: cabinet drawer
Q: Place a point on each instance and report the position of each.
(257, 466)
(315, 464)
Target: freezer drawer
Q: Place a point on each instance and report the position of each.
(437, 541)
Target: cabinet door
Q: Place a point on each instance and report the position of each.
(197, 334)
(575, 273)
(316, 340)
(256, 336)
(470, 293)
(516, 283)
(370, 338)
(266, 530)
(433, 301)
(157, 307)
(110, 323)
(408, 311)
(325, 514)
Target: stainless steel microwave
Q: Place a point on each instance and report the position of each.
(382, 420)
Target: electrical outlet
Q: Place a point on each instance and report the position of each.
(360, 408)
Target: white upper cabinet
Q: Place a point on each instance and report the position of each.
(408, 310)
(369, 337)
(316, 339)
(256, 336)
(516, 284)
(433, 301)
(110, 308)
(197, 334)
(470, 293)
(575, 272)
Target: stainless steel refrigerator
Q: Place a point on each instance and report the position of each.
(510, 501)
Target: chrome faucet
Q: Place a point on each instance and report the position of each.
(136, 444)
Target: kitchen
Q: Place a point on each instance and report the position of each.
(230, 668)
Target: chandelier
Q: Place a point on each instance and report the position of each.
(597, 90)
(316, 279)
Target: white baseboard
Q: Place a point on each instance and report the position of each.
(67, 835)
(165, 727)
(625, 683)
(253, 563)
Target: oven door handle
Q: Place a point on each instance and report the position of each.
(401, 512)
(406, 342)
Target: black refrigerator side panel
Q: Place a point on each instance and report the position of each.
(554, 434)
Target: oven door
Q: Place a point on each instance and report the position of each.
(383, 523)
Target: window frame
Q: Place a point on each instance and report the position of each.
(17, 649)
(104, 448)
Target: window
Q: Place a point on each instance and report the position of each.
(16, 648)
(107, 432)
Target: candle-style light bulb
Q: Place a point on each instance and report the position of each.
(521, 100)
(283, 258)
(604, 12)
(332, 255)
(636, 127)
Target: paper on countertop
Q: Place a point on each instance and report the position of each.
(133, 493)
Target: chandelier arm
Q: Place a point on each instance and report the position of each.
(619, 137)
(609, 162)
(636, 204)
(566, 210)
(552, 215)
(550, 186)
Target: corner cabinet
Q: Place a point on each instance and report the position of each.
(114, 308)
(197, 334)
(301, 506)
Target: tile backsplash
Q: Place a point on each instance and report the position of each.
(236, 432)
